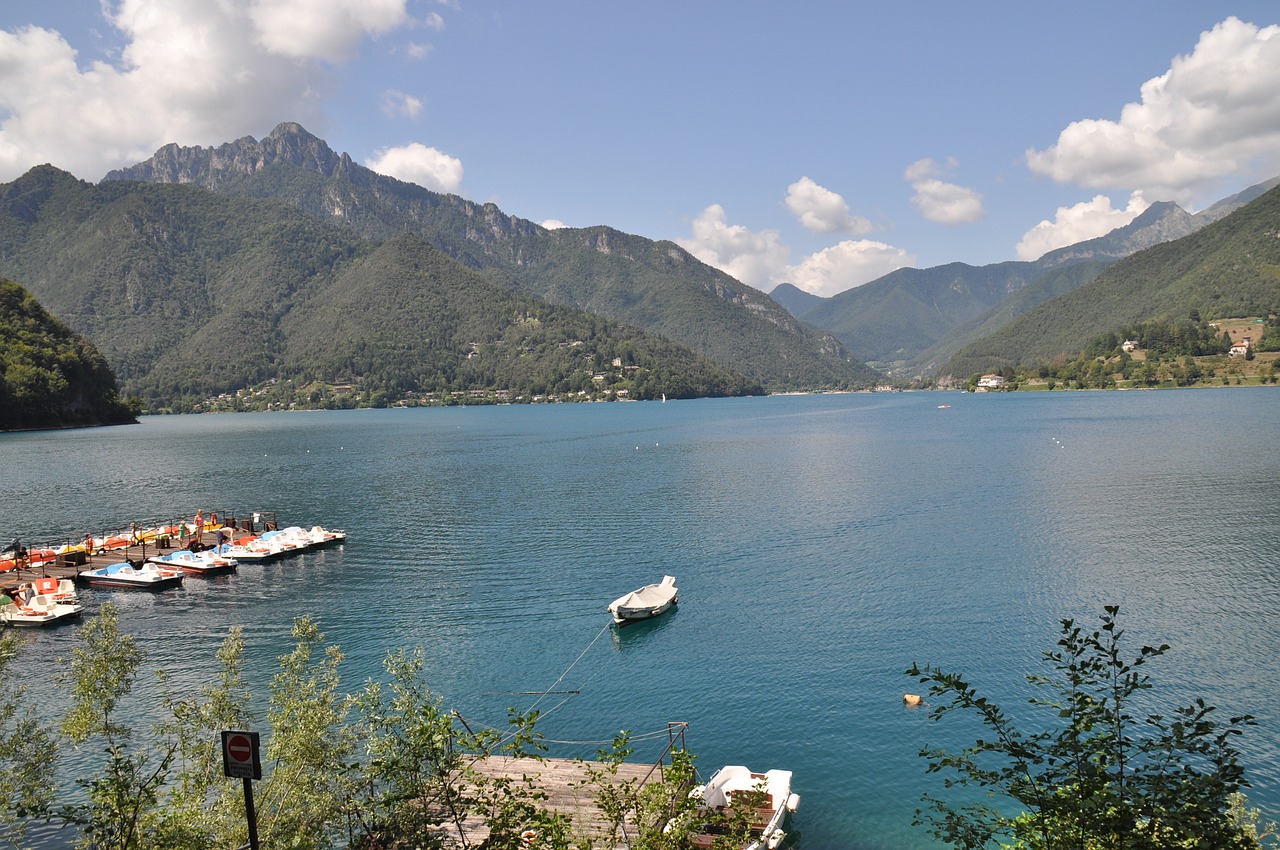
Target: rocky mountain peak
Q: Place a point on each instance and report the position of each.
(289, 143)
(1163, 221)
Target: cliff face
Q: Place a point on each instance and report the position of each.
(212, 168)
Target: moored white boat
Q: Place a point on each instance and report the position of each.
(204, 563)
(325, 536)
(40, 609)
(56, 589)
(285, 541)
(766, 813)
(124, 574)
(646, 602)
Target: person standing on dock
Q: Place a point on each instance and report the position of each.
(198, 534)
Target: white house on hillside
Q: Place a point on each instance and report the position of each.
(1241, 348)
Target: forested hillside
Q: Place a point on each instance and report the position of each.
(1229, 268)
(49, 376)
(912, 321)
(657, 286)
(193, 295)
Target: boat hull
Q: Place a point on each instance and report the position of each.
(107, 581)
(627, 616)
(195, 564)
(648, 602)
(124, 576)
(11, 616)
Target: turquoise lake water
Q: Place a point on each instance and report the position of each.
(822, 544)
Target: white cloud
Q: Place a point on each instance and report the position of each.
(938, 200)
(554, 224)
(417, 163)
(435, 21)
(1086, 220)
(757, 259)
(847, 265)
(320, 29)
(1215, 112)
(398, 104)
(191, 71)
(821, 210)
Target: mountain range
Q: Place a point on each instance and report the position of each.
(910, 322)
(656, 286)
(208, 271)
(191, 294)
(1228, 268)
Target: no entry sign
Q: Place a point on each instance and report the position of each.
(240, 755)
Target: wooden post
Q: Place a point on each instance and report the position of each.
(250, 814)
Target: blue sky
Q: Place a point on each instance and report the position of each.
(820, 143)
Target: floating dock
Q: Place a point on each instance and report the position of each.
(128, 546)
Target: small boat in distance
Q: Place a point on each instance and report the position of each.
(646, 602)
(768, 799)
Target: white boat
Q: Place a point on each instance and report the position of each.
(649, 601)
(207, 562)
(124, 574)
(286, 541)
(246, 549)
(321, 536)
(42, 609)
(766, 815)
(56, 589)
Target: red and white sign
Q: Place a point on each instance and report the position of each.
(240, 755)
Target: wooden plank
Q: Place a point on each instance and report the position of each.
(563, 781)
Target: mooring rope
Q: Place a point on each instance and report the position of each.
(570, 668)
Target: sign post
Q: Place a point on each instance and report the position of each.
(240, 759)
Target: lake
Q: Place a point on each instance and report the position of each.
(822, 544)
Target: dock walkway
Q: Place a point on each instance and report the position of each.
(565, 784)
(72, 563)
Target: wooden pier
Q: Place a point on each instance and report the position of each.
(69, 565)
(568, 790)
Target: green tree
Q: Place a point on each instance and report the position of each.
(27, 754)
(204, 809)
(119, 800)
(655, 815)
(1097, 777)
(303, 798)
(406, 788)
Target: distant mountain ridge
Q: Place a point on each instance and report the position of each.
(1225, 269)
(911, 321)
(657, 286)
